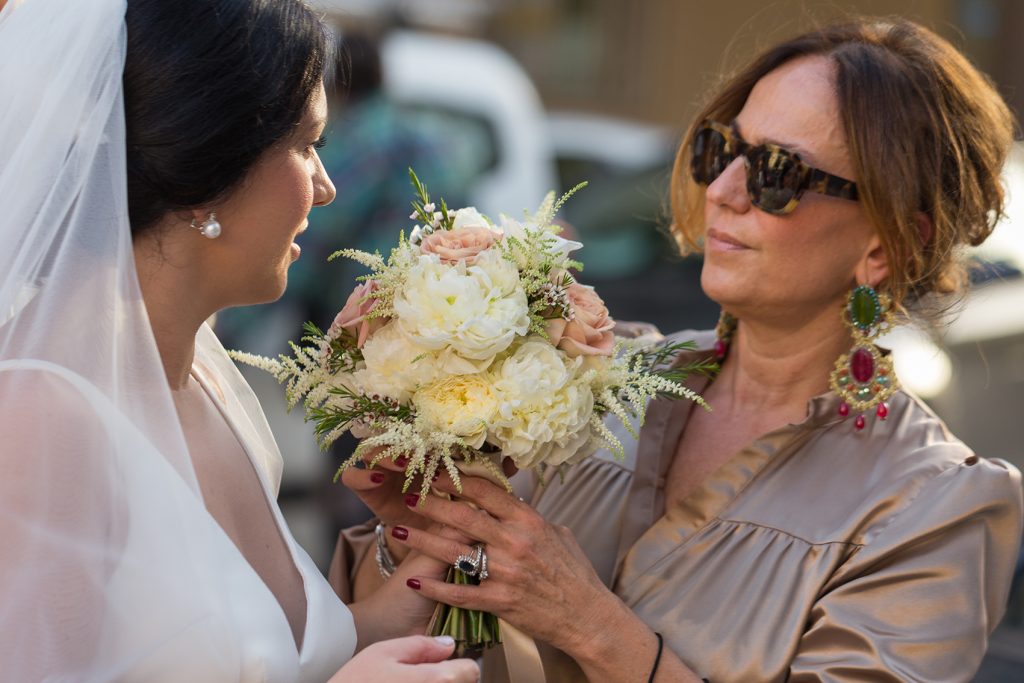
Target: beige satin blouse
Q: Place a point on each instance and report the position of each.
(817, 553)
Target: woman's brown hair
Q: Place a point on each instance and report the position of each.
(927, 134)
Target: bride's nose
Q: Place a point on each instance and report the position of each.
(323, 188)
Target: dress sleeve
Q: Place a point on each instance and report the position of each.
(353, 573)
(917, 601)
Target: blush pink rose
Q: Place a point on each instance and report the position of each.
(460, 244)
(590, 332)
(353, 317)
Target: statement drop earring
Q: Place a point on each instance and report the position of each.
(864, 377)
(724, 330)
(210, 228)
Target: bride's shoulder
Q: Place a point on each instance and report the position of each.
(43, 404)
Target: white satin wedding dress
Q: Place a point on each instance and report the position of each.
(111, 567)
(255, 628)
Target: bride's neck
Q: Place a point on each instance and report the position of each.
(176, 307)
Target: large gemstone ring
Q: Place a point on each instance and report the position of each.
(473, 565)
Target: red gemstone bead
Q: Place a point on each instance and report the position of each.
(844, 409)
(862, 365)
(859, 422)
(882, 411)
(720, 349)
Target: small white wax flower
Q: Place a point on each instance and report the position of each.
(414, 215)
(416, 236)
(428, 208)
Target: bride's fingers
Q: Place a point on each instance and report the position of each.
(363, 480)
(395, 465)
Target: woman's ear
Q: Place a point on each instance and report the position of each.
(873, 269)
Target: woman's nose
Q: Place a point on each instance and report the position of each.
(730, 187)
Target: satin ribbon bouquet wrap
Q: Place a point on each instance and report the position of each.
(473, 342)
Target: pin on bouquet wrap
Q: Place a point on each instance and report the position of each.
(473, 342)
(864, 377)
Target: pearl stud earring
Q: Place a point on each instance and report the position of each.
(210, 228)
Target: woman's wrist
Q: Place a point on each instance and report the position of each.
(619, 646)
(601, 630)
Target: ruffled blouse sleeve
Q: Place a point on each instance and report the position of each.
(353, 573)
(917, 600)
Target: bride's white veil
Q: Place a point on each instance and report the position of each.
(107, 555)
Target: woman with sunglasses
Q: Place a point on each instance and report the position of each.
(820, 523)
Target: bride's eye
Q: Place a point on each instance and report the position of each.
(319, 144)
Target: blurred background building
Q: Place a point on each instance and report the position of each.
(494, 102)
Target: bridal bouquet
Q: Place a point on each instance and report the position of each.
(473, 342)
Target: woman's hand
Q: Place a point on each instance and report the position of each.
(415, 659)
(539, 579)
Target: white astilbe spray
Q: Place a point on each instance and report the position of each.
(427, 451)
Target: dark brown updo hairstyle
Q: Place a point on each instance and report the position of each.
(209, 86)
(927, 134)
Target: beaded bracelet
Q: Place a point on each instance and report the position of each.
(385, 563)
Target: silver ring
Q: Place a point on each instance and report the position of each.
(482, 574)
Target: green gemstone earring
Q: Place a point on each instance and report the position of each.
(864, 377)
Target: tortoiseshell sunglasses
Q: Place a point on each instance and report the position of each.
(776, 177)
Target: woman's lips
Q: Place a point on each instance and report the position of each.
(716, 239)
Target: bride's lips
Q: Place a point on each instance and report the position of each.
(295, 249)
(721, 241)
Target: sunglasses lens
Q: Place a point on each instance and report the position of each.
(773, 180)
(710, 155)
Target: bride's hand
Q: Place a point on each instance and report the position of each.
(415, 659)
(393, 610)
(539, 579)
(380, 489)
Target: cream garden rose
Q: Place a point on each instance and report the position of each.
(463, 405)
(476, 310)
(543, 408)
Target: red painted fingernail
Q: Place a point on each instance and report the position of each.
(377, 477)
(413, 583)
(411, 499)
(401, 461)
(400, 532)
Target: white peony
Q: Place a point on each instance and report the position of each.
(544, 410)
(395, 366)
(561, 247)
(477, 311)
(463, 405)
(469, 217)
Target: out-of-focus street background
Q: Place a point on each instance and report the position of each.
(495, 102)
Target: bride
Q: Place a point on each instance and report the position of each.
(158, 160)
